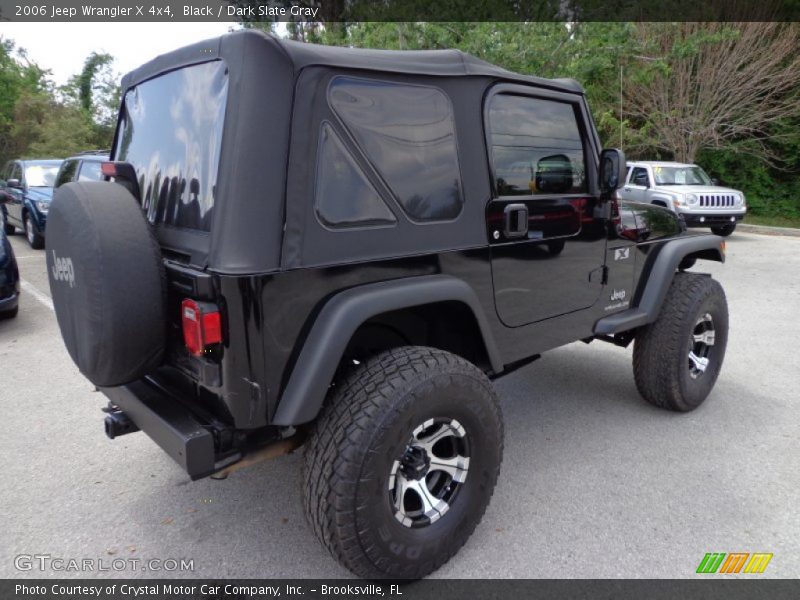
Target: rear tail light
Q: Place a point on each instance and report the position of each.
(202, 325)
(109, 169)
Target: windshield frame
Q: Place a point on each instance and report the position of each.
(698, 174)
(46, 166)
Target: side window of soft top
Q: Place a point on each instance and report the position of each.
(407, 132)
(344, 196)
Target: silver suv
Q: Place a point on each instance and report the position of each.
(687, 190)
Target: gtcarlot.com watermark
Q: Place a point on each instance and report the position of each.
(61, 564)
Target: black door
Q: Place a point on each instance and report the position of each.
(547, 246)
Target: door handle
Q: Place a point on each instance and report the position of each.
(516, 220)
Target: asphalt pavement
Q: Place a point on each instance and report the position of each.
(595, 483)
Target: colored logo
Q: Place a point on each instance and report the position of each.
(734, 562)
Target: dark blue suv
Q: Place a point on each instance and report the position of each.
(28, 189)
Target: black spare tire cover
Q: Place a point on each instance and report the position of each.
(107, 282)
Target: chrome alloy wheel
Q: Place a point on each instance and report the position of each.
(700, 345)
(425, 481)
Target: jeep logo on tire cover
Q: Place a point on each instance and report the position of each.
(618, 295)
(62, 269)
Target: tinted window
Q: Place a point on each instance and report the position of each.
(343, 195)
(407, 133)
(171, 131)
(639, 176)
(90, 171)
(67, 172)
(536, 147)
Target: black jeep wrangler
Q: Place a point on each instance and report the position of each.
(343, 248)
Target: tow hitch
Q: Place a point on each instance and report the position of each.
(117, 423)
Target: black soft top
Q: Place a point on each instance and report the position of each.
(440, 63)
(265, 97)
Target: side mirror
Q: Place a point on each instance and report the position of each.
(554, 174)
(612, 171)
(14, 183)
(714, 181)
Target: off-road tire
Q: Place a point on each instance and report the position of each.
(724, 230)
(365, 423)
(661, 365)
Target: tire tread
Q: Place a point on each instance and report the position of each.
(657, 344)
(357, 406)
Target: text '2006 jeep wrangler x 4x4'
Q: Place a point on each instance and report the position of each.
(347, 246)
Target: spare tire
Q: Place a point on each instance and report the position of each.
(107, 282)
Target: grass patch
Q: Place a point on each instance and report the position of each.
(783, 221)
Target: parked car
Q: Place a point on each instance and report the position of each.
(351, 274)
(687, 190)
(84, 166)
(28, 188)
(9, 279)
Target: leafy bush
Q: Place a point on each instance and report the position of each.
(770, 191)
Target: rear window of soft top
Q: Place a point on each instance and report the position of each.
(171, 132)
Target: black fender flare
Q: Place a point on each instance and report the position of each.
(339, 319)
(657, 277)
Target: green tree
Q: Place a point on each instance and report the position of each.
(96, 93)
(38, 120)
(49, 129)
(716, 86)
(19, 78)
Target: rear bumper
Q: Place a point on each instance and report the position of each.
(711, 219)
(168, 423)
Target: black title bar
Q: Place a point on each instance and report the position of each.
(711, 588)
(326, 11)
